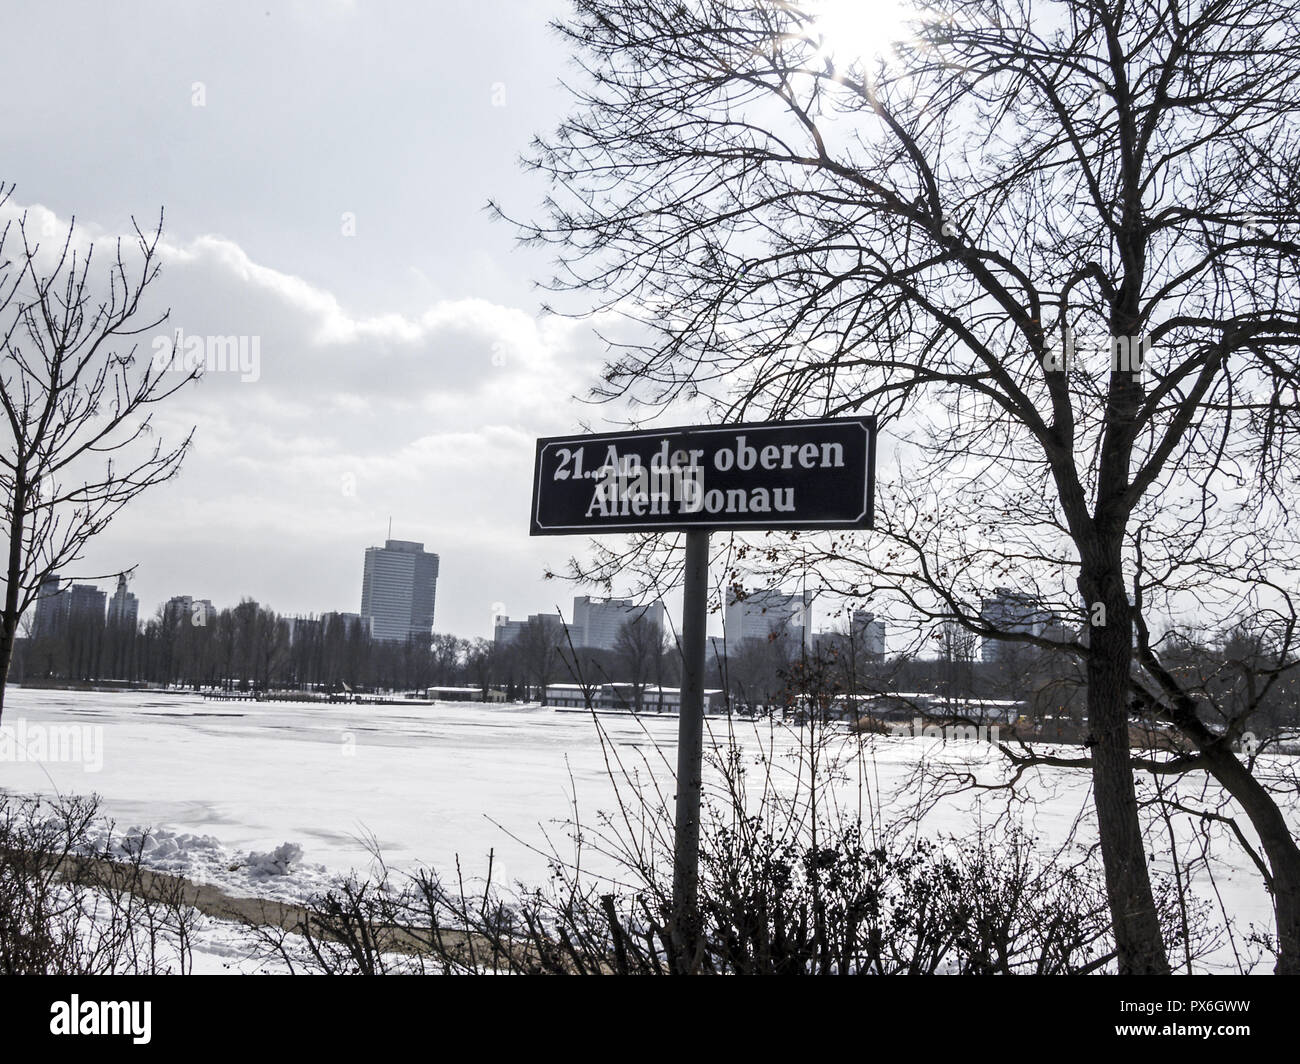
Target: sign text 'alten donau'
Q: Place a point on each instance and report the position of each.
(782, 475)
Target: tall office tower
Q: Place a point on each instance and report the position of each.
(762, 614)
(596, 622)
(86, 603)
(398, 588)
(51, 608)
(865, 638)
(1010, 611)
(177, 610)
(123, 607)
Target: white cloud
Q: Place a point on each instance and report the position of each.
(430, 418)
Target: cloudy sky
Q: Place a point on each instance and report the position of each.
(324, 168)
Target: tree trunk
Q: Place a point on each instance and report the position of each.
(13, 578)
(8, 629)
(1260, 807)
(1279, 847)
(1139, 946)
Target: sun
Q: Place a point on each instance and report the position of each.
(856, 31)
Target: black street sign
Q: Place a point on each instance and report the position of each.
(778, 475)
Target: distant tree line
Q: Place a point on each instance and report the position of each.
(249, 647)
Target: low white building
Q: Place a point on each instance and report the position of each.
(654, 699)
(464, 694)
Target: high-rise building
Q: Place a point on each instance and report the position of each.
(123, 607)
(185, 609)
(506, 631)
(1010, 611)
(716, 652)
(597, 622)
(51, 608)
(350, 622)
(86, 604)
(865, 639)
(956, 643)
(57, 607)
(398, 588)
(764, 614)
(868, 633)
(177, 610)
(301, 628)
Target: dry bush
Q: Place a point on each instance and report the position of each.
(70, 904)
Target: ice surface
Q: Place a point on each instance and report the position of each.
(273, 798)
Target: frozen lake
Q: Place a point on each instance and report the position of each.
(434, 783)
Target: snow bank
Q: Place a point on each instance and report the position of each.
(280, 874)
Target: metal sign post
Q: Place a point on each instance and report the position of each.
(774, 475)
(690, 751)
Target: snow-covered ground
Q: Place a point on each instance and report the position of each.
(224, 786)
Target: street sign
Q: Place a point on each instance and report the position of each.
(781, 475)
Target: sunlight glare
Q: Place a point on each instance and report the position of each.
(857, 31)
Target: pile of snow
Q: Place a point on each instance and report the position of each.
(280, 874)
(277, 862)
(163, 850)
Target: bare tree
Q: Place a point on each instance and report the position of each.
(539, 645)
(638, 651)
(74, 395)
(756, 670)
(1048, 245)
(482, 662)
(957, 656)
(449, 654)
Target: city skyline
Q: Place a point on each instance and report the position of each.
(403, 362)
(593, 622)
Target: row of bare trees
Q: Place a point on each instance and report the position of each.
(250, 646)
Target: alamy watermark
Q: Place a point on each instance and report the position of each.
(918, 729)
(1090, 349)
(53, 744)
(115, 1018)
(209, 353)
(1124, 354)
